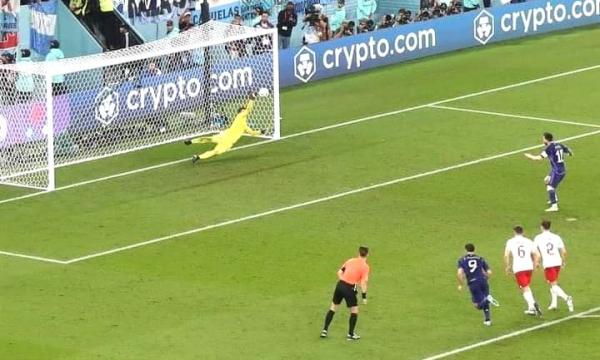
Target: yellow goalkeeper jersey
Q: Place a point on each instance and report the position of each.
(239, 126)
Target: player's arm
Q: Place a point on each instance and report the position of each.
(567, 150)
(252, 132)
(507, 255)
(340, 272)
(486, 268)
(460, 278)
(534, 157)
(563, 254)
(535, 256)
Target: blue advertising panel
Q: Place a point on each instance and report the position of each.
(149, 94)
(398, 44)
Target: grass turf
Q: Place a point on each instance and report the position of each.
(259, 289)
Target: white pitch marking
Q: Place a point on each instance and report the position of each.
(525, 117)
(312, 131)
(511, 335)
(32, 257)
(315, 201)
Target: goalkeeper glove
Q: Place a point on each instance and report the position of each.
(364, 297)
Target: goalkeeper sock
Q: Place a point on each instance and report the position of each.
(328, 319)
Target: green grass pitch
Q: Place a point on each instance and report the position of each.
(259, 289)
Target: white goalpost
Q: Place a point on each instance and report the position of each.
(61, 113)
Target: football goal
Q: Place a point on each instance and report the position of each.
(61, 113)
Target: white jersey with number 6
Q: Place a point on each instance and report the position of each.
(549, 244)
(521, 249)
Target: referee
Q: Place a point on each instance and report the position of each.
(354, 272)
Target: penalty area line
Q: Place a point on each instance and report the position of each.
(315, 201)
(316, 130)
(512, 334)
(32, 257)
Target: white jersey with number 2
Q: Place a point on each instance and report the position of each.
(549, 244)
(521, 249)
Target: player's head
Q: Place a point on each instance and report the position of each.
(518, 230)
(470, 248)
(547, 138)
(363, 251)
(545, 224)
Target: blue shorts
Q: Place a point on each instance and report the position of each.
(479, 290)
(556, 179)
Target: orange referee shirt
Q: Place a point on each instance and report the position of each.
(355, 271)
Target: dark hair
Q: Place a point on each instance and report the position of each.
(546, 224)
(518, 229)
(548, 136)
(363, 251)
(470, 247)
(54, 44)
(25, 53)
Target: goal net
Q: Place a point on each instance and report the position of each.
(60, 113)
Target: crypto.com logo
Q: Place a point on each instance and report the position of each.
(305, 64)
(106, 106)
(483, 27)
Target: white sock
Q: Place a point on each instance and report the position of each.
(560, 292)
(554, 298)
(528, 295)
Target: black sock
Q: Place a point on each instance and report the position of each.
(353, 320)
(328, 319)
(486, 312)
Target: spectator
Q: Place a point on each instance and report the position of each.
(172, 31)
(365, 9)
(338, 16)
(386, 22)
(107, 24)
(258, 10)
(286, 21)
(24, 83)
(185, 21)
(404, 17)
(470, 5)
(237, 48)
(58, 81)
(346, 29)
(263, 43)
(325, 31)
(78, 8)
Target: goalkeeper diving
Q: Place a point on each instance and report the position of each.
(226, 139)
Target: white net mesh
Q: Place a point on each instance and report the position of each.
(147, 95)
(23, 129)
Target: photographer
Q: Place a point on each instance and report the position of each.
(386, 22)
(404, 17)
(325, 28)
(286, 20)
(312, 24)
(346, 29)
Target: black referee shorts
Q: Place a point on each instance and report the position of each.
(347, 292)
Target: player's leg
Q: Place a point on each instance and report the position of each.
(479, 294)
(352, 303)
(218, 150)
(335, 303)
(524, 279)
(556, 291)
(203, 140)
(552, 182)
